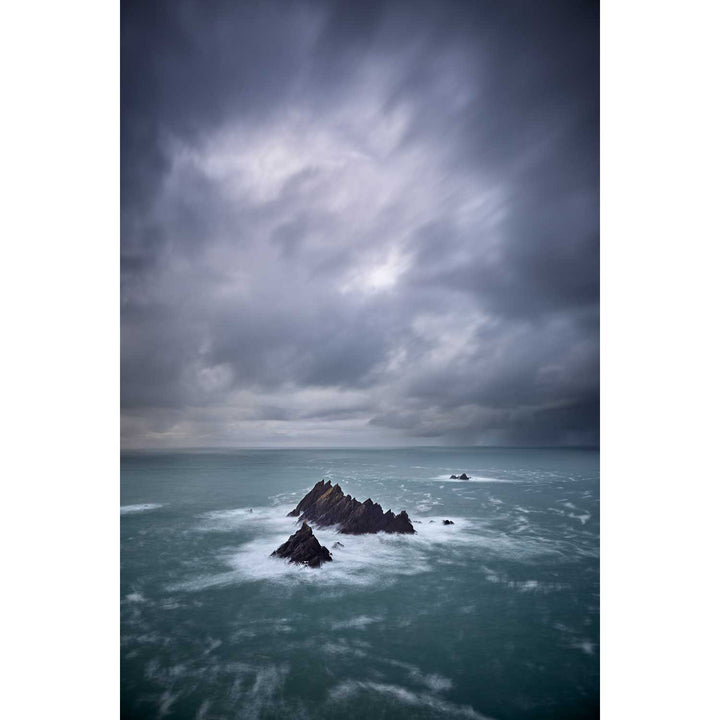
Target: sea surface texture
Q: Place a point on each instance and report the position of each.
(495, 616)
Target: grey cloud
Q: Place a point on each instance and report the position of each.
(359, 223)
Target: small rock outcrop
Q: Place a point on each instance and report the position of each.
(304, 548)
(448, 522)
(464, 476)
(326, 504)
(338, 544)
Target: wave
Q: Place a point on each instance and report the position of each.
(364, 560)
(350, 688)
(582, 518)
(254, 691)
(472, 479)
(433, 681)
(128, 509)
(533, 586)
(258, 520)
(357, 623)
(587, 646)
(341, 647)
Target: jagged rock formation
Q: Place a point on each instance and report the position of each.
(326, 504)
(448, 522)
(459, 477)
(304, 548)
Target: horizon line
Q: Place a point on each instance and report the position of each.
(191, 448)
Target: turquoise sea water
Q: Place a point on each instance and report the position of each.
(496, 616)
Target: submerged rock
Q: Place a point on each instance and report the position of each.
(326, 504)
(448, 522)
(338, 544)
(304, 548)
(459, 477)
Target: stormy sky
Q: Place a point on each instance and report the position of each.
(359, 223)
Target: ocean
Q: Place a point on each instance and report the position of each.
(495, 616)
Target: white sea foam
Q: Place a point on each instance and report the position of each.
(360, 623)
(151, 638)
(536, 586)
(253, 691)
(243, 634)
(202, 712)
(167, 700)
(127, 509)
(433, 681)
(258, 519)
(169, 604)
(582, 518)
(364, 560)
(263, 694)
(342, 648)
(472, 479)
(586, 646)
(213, 644)
(427, 505)
(349, 688)
(286, 498)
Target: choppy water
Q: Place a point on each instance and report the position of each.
(496, 616)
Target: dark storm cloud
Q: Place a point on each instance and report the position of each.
(359, 223)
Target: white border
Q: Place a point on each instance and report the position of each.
(60, 358)
(659, 362)
(60, 363)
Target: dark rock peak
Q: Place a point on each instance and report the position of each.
(448, 522)
(304, 548)
(464, 476)
(326, 504)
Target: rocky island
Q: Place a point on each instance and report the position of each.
(464, 476)
(326, 504)
(304, 548)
